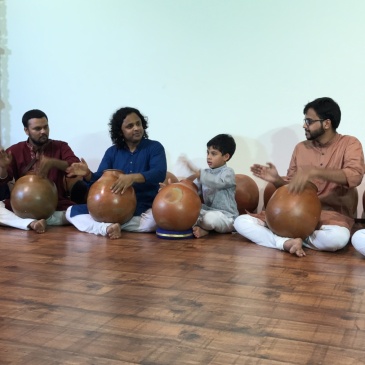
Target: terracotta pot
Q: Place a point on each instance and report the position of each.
(190, 184)
(294, 215)
(177, 206)
(247, 194)
(106, 206)
(34, 197)
(269, 191)
(171, 176)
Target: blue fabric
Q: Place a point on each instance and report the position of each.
(4, 191)
(148, 159)
(79, 209)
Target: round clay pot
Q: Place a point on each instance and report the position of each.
(34, 197)
(177, 206)
(171, 176)
(247, 194)
(106, 206)
(269, 191)
(294, 215)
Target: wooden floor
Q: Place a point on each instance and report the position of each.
(68, 297)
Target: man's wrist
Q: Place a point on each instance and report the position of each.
(88, 175)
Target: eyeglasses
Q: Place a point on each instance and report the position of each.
(309, 121)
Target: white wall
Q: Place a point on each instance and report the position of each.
(196, 68)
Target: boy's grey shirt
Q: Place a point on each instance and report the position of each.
(218, 187)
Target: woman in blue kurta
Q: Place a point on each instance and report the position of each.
(143, 162)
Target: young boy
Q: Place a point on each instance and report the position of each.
(218, 186)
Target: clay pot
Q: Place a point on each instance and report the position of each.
(190, 184)
(177, 206)
(294, 215)
(269, 191)
(247, 194)
(34, 197)
(171, 176)
(106, 206)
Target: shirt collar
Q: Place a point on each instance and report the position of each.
(36, 149)
(218, 169)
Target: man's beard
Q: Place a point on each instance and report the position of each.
(39, 143)
(314, 135)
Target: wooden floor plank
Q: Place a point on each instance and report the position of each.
(72, 298)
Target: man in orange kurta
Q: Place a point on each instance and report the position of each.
(334, 163)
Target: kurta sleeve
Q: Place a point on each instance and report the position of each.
(353, 162)
(67, 154)
(157, 168)
(17, 159)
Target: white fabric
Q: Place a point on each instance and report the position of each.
(85, 223)
(10, 219)
(358, 241)
(327, 238)
(143, 223)
(255, 230)
(214, 220)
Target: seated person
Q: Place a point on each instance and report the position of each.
(143, 162)
(37, 155)
(218, 186)
(334, 163)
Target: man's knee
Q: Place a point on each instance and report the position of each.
(358, 241)
(335, 238)
(209, 221)
(341, 238)
(243, 221)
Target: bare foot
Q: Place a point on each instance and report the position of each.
(294, 246)
(38, 226)
(113, 231)
(199, 232)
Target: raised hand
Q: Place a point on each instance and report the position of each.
(190, 166)
(268, 173)
(5, 158)
(78, 169)
(163, 184)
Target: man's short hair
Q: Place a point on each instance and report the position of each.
(326, 108)
(30, 114)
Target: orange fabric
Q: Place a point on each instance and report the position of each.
(343, 152)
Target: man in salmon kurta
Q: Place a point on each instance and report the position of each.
(38, 154)
(334, 163)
